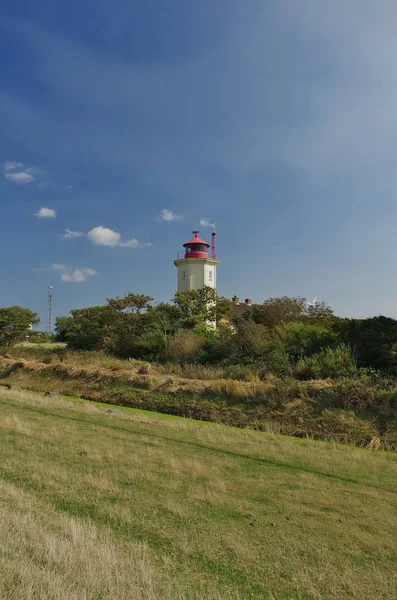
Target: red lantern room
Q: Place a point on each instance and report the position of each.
(196, 248)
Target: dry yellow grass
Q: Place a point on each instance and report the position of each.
(97, 506)
(142, 375)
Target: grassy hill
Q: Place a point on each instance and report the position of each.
(360, 411)
(138, 505)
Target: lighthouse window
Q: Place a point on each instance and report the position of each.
(210, 275)
(196, 248)
(183, 274)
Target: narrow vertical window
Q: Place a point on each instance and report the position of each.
(183, 274)
(210, 276)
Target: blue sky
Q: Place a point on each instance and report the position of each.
(276, 121)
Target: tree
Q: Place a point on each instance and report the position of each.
(251, 340)
(15, 324)
(162, 323)
(275, 311)
(63, 327)
(201, 307)
(130, 303)
(304, 338)
(129, 324)
(373, 340)
(94, 328)
(320, 313)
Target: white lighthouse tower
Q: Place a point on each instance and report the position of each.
(196, 268)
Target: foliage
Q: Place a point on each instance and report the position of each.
(130, 303)
(63, 327)
(196, 307)
(94, 328)
(184, 347)
(330, 362)
(304, 339)
(281, 336)
(372, 340)
(15, 324)
(275, 311)
(162, 321)
(250, 340)
(41, 337)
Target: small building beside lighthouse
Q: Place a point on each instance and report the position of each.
(197, 264)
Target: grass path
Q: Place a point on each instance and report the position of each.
(99, 506)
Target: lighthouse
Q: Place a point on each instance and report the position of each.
(196, 268)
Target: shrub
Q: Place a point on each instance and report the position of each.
(41, 337)
(276, 360)
(304, 339)
(334, 363)
(221, 347)
(184, 347)
(251, 340)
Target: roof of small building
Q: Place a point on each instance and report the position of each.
(239, 309)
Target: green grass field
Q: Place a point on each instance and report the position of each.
(98, 506)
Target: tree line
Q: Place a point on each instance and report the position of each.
(284, 336)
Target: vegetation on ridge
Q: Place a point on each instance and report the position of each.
(250, 371)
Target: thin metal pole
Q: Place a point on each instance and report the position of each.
(50, 288)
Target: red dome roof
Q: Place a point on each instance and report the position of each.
(196, 240)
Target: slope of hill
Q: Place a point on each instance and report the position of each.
(127, 505)
(356, 411)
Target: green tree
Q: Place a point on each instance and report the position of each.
(161, 324)
(15, 324)
(130, 303)
(201, 307)
(222, 347)
(320, 313)
(275, 311)
(251, 340)
(372, 340)
(63, 327)
(304, 338)
(195, 307)
(94, 328)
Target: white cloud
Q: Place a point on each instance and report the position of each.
(205, 222)
(33, 171)
(78, 275)
(46, 213)
(9, 165)
(167, 215)
(28, 174)
(68, 235)
(20, 177)
(73, 275)
(103, 236)
(59, 267)
(133, 243)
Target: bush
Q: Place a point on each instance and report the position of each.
(185, 347)
(275, 360)
(305, 339)
(221, 347)
(334, 363)
(41, 337)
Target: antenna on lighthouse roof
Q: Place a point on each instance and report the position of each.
(213, 252)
